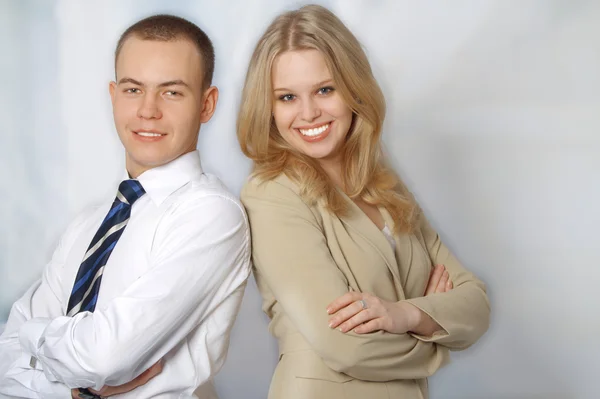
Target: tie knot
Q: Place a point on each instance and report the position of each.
(129, 191)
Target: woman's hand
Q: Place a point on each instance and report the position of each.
(364, 313)
(140, 380)
(439, 281)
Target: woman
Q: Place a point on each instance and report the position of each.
(343, 256)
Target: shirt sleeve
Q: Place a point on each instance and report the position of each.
(200, 257)
(463, 312)
(292, 258)
(20, 377)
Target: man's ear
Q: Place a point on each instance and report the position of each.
(209, 103)
(112, 87)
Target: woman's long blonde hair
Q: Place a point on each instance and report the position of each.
(365, 174)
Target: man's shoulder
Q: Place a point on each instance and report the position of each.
(208, 185)
(207, 193)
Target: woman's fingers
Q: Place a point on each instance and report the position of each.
(343, 301)
(346, 313)
(370, 326)
(443, 283)
(434, 279)
(363, 316)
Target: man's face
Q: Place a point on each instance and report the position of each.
(158, 101)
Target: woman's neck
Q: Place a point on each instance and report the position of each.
(333, 169)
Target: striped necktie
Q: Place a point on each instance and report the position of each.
(87, 283)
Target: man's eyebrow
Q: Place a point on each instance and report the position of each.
(176, 82)
(130, 80)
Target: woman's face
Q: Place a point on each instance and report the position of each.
(309, 113)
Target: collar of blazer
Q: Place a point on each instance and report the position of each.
(358, 221)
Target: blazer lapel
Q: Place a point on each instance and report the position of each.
(359, 222)
(404, 247)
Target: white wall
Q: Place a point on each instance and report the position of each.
(493, 120)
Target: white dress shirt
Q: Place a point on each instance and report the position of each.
(171, 290)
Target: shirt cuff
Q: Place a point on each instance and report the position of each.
(30, 335)
(21, 382)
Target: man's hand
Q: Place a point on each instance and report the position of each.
(140, 380)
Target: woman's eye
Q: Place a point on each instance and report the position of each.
(325, 90)
(286, 97)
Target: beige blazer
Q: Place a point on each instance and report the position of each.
(305, 257)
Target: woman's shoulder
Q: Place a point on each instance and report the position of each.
(280, 194)
(281, 185)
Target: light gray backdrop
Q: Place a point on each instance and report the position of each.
(493, 120)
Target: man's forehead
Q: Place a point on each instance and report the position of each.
(136, 45)
(176, 59)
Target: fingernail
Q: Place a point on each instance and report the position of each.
(331, 324)
(328, 310)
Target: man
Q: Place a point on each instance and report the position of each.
(141, 293)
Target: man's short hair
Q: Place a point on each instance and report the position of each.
(167, 28)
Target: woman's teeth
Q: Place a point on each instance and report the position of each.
(314, 132)
(148, 134)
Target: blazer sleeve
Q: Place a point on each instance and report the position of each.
(464, 312)
(291, 256)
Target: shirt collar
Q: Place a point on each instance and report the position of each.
(164, 180)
